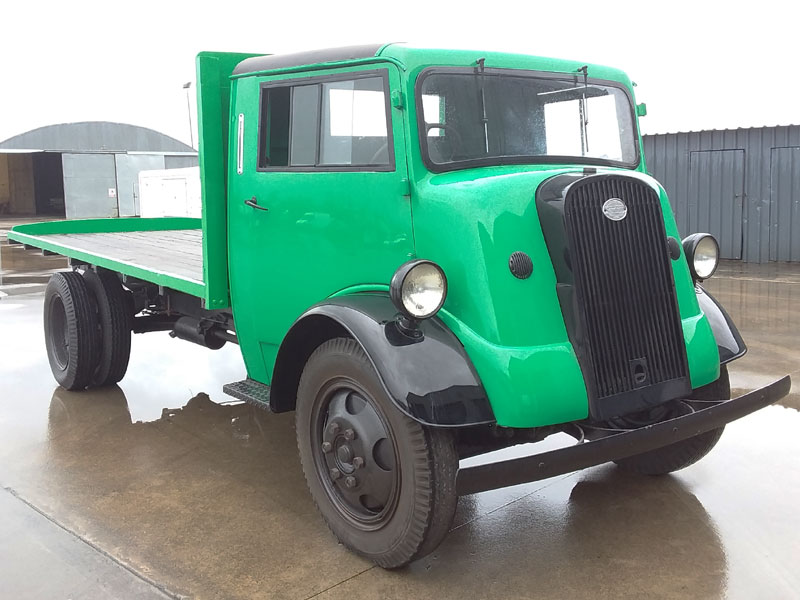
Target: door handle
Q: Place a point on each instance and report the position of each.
(253, 203)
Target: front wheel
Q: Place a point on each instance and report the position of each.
(384, 483)
(687, 452)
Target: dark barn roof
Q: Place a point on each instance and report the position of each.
(95, 136)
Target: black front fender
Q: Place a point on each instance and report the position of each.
(430, 379)
(729, 342)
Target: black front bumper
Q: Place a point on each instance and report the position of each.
(491, 476)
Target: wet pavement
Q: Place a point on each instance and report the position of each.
(161, 487)
(23, 272)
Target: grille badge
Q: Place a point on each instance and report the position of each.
(615, 209)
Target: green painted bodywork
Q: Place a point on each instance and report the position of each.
(213, 125)
(328, 234)
(467, 221)
(513, 329)
(36, 234)
(323, 232)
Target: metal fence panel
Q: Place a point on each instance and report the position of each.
(769, 222)
(179, 162)
(716, 197)
(90, 185)
(784, 204)
(128, 168)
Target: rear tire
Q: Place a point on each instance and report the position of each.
(682, 454)
(384, 483)
(114, 316)
(70, 330)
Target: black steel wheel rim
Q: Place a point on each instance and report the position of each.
(355, 455)
(59, 341)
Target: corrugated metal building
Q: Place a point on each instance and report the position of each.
(80, 170)
(742, 185)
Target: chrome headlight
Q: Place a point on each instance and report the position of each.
(702, 254)
(418, 289)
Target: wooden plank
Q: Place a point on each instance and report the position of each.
(133, 248)
(181, 243)
(132, 252)
(181, 279)
(170, 253)
(136, 252)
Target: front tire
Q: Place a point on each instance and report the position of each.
(384, 483)
(682, 454)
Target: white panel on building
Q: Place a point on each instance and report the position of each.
(170, 193)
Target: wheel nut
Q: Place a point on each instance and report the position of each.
(350, 481)
(335, 473)
(333, 428)
(358, 462)
(326, 447)
(349, 434)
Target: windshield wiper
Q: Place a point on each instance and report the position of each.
(584, 113)
(484, 118)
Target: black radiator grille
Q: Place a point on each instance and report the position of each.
(624, 286)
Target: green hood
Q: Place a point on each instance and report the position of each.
(470, 222)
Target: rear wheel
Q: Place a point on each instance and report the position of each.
(114, 316)
(682, 454)
(70, 330)
(384, 483)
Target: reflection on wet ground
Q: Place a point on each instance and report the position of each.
(25, 271)
(205, 498)
(764, 302)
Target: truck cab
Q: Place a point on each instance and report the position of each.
(354, 161)
(428, 255)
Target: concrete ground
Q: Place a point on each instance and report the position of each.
(161, 487)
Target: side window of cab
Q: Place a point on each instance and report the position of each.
(333, 123)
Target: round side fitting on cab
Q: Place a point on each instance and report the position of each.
(521, 265)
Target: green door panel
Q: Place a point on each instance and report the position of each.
(323, 230)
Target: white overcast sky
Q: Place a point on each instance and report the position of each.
(698, 65)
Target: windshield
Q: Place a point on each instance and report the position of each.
(500, 118)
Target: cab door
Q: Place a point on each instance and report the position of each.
(319, 200)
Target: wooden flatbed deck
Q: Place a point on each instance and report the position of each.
(167, 252)
(176, 254)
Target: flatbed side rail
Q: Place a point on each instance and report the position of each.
(109, 225)
(39, 235)
(481, 478)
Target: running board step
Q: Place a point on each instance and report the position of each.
(250, 391)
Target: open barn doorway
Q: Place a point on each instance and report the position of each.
(31, 184)
(48, 184)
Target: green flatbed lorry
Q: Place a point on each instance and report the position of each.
(427, 255)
